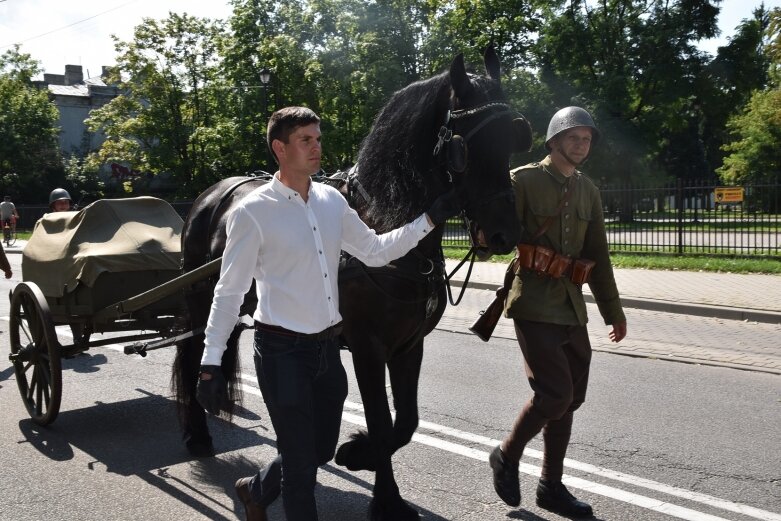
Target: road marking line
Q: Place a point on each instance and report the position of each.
(629, 479)
(589, 486)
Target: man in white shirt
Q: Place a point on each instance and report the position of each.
(288, 235)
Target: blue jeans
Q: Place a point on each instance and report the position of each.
(304, 386)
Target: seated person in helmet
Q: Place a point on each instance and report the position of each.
(59, 200)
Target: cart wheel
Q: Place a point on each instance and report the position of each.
(35, 353)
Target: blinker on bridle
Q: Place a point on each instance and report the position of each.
(457, 144)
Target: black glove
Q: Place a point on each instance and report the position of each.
(444, 207)
(212, 394)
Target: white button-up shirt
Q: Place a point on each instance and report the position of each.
(291, 248)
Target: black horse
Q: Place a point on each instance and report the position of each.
(455, 129)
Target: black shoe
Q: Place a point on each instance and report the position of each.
(254, 511)
(506, 481)
(555, 497)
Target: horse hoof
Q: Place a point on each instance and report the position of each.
(396, 510)
(200, 448)
(355, 455)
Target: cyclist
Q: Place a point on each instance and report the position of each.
(59, 200)
(8, 214)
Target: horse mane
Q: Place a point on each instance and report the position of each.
(396, 158)
(396, 155)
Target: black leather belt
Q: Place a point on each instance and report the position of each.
(326, 334)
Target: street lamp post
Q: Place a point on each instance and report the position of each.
(265, 79)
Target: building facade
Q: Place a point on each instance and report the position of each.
(75, 96)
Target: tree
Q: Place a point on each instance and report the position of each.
(729, 80)
(467, 26)
(29, 152)
(635, 65)
(169, 117)
(754, 154)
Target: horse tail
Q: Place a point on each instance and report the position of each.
(187, 362)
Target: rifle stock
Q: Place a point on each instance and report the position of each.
(485, 324)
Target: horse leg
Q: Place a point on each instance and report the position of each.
(404, 370)
(386, 504)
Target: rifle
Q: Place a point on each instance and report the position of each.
(486, 323)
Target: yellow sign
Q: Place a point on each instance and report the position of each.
(729, 194)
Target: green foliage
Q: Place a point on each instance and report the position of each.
(634, 64)
(83, 179)
(666, 262)
(754, 154)
(193, 108)
(29, 155)
(168, 121)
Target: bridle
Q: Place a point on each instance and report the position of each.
(454, 147)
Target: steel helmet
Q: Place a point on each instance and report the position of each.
(59, 194)
(571, 117)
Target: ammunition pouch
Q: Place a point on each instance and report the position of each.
(545, 261)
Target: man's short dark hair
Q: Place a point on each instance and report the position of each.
(285, 121)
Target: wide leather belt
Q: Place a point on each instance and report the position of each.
(325, 334)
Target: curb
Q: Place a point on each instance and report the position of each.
(666, 306)
(655, 356)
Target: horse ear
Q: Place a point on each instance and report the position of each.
(491, 60)
(458, 78)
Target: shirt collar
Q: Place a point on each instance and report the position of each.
(284, 190)
(550, 168)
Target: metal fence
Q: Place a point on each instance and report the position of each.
(685, 217)
(682, 217)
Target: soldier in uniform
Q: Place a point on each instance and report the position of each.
(550, 314)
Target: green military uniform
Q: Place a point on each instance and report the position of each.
(549, 314)
(579, 231)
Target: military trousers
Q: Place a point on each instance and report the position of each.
(557, 360)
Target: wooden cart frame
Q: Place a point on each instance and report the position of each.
(36, 353)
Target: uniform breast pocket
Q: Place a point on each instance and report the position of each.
(541, 212)
(584, 219)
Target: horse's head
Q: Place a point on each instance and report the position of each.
(480, 133)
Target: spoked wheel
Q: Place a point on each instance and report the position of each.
(9, 237)
(35, 353)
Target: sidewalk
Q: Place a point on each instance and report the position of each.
(751, 297)
(717, 319)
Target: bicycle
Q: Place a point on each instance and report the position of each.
(9, 235)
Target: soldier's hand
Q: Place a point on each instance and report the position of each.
(8, 273)
(618, 333)
(212, 390)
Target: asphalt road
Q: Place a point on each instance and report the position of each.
(656, 440)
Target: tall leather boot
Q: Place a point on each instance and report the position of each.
(504, 458)
(551, 493)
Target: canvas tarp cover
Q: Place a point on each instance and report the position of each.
(109, 235)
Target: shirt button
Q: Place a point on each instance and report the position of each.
(566, 242)
(566, 203)
(320, 252)
(566, 216)
(566, 229)
(314, 228)
(329, 298)
(326, 275)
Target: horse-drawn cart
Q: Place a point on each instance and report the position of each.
(113, 267)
